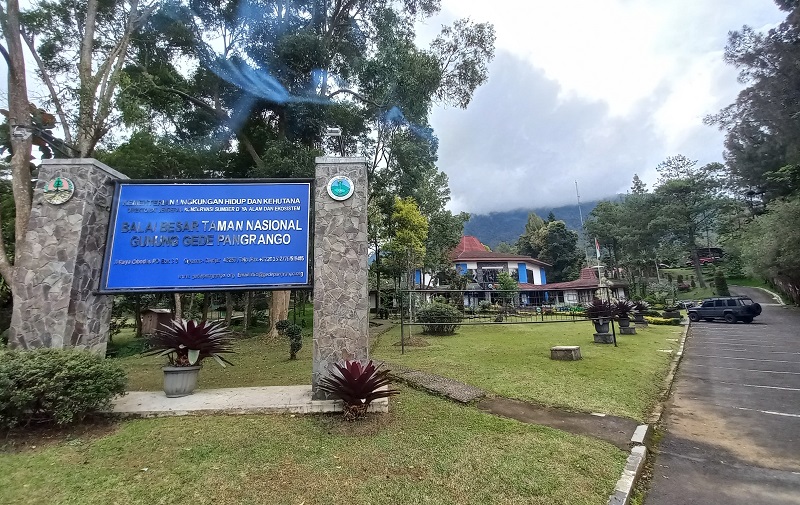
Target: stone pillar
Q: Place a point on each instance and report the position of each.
(61, 259)
(341, 301)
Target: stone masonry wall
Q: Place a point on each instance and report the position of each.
(341, 302)
(55, 304)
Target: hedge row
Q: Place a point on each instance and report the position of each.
(55, 386)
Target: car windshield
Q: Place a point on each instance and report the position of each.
(746, 301)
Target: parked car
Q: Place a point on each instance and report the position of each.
(703, 261)
(729, 308)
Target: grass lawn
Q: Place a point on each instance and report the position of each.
(257, 362)
(514, 361)
(427, 450)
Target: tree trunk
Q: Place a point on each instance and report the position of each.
(137, 309)
(178, 306)
(228, 307)
(206, 305)
(189, 311)
(377, 279)
(278, 311)
(18, 114)
(698, 269)
(248, 308)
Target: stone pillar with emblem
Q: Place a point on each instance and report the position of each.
(341, 302)
(58, 271)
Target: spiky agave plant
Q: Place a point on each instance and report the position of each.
(357, 385)
(622, 308)
(187, 343)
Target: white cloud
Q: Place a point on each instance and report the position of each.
(626, 82)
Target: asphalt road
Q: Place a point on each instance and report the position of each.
(732, 424)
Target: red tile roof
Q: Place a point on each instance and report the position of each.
(471, 249)
(587, 280)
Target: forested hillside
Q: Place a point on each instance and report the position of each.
(496, 227)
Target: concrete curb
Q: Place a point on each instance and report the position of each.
(633, 468)
(774, 295)
(641, 437)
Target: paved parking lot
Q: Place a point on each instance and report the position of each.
(733, 421)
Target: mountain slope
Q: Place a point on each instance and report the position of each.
(496, 227)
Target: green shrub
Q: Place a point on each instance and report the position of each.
(440, 318)
(295, 334)
(720, 284)
(55, 386)
(673, 321)
(484, 306)
(282, 325)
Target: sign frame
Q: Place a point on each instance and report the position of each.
(252, 286)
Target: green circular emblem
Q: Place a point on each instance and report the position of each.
(58, 190)
(340, 187)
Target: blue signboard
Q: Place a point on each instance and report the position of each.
(199, 236)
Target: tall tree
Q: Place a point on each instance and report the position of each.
(445, 230)
(526, 244)
(18, 114)
(762, 126)
(94, 34)
(558, 246)
(407, 245)
(688, 202)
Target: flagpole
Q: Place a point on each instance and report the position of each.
(583, 230)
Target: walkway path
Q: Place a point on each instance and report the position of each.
(733, 421)
(616, 430)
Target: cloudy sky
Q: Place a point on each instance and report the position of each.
(588, 90)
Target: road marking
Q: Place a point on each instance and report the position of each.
(745, 359)
(771, 412)
(758, 386)
(740, 369)
(697, 344)
(750, 350)
(729, 341)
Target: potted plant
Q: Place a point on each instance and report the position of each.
(357, 385)
(622, 309)
(186, 344)
(640, 307)
(600, 312)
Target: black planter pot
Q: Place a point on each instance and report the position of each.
(601, 325)
(638, 318)
(624, 322)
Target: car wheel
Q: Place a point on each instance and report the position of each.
(730, 318)
(757, 309)
(693, 316)
(747, 319)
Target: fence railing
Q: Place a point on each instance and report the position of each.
(484, 307)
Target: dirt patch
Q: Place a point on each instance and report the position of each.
(41, 436)
(616, 430)
(373, 424)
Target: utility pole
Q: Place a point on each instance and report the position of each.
(583, 230)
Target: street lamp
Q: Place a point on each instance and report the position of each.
(333, 131)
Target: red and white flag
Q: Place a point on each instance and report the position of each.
(597, 247)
